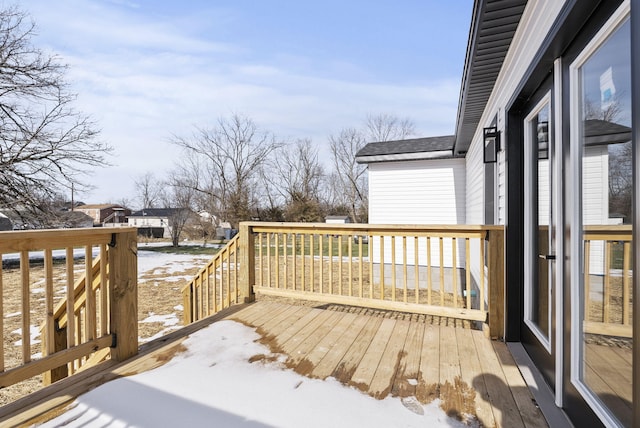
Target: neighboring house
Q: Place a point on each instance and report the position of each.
(105, 214)
(337, 219)
(416, 181)
(542, 145)
(152, 222)
(19, 220)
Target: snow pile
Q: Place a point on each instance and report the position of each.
(214, 384)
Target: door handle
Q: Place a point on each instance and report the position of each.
(547, 256)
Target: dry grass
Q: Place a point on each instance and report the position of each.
(156, 294)
(615, 295)
(351, 279)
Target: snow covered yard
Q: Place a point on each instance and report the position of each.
(160, 279)
(213, 383)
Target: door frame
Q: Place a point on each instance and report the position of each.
(577, 23)
(615, 21)
(531, 214)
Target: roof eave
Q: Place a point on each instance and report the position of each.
(395, 157)
(493, 25)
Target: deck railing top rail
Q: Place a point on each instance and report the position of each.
(395, 229)
(35, 240)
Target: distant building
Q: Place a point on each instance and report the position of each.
(337, 219)
(106, 214)
(152, 222)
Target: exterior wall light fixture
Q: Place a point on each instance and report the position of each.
(491, 139)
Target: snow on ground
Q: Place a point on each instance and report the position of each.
(169, 321)
(169, 264)
(34, 334)
(213, 384)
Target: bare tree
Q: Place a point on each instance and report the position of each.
(621, 180)
(350, 178)
(45, 145)
(149, 190)
(223, 164)
(179, 200)
(298, 177)
(387, 127)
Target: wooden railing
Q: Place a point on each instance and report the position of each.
(216, 286)
(452, 271)
(607, 280)
(78, 324)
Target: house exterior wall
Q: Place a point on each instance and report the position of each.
(595, 197)
(94, 213)
(535, 23)
(148, 221)
(417, 192)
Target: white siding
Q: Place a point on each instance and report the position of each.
(595, 182)
(417, 192)
(537, 19)
(595, 199)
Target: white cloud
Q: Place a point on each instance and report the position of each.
(145, 79)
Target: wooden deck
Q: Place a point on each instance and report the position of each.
(380, 353)
(385, 353)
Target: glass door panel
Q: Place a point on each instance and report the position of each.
(539, 229)
(602, 366)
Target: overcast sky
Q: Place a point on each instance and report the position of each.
(149, 69)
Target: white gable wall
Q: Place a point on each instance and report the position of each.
(417, 192)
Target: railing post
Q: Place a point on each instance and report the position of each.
(59, 344)
(247, 263)
(123, 294)
(495, 263)
(187, 303)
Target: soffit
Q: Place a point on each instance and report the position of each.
(493, 25)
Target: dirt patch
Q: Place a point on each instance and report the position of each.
(304, 367)
(264, 358)
(167, 355)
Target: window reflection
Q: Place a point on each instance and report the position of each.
(607, 190)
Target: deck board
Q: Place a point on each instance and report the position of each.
(299, 346)
(407, 356)
(613, 368)
(471, 373)
(368, 365)
(428, 388)
(354, 353)
(339, 346)
(411, 357)
(505, 409)
(528, 410)
(382, 381)
(404, 384)
(451, 388)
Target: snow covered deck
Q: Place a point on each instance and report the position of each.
(417, 358)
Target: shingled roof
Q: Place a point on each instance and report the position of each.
(597, 131)
(412, 149)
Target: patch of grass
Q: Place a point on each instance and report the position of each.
(184, 249)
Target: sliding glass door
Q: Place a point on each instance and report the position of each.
(602, 173)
